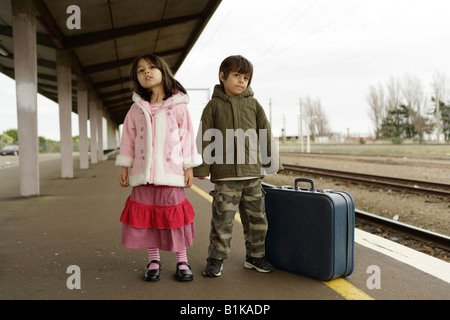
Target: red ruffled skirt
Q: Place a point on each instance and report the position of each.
(157, 217)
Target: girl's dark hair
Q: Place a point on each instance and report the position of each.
(170, 84)
(236, 64)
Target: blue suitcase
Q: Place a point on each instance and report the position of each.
(310, 231)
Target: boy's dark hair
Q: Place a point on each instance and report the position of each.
(170, 84)
(236, 64)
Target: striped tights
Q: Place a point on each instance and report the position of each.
(153, 254)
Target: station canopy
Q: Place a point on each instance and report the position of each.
(111, 34)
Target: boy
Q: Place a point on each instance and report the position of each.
(236, 123)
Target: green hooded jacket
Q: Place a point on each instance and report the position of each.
(236, 139)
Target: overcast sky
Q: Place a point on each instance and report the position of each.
(326, 49)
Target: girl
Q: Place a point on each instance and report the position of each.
(157, 154)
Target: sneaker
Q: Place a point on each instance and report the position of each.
(259, 264)
(213, 267)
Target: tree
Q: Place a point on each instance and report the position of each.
(439, 84)
(444, 118)
(13, 134)
(406, 107)
(398, 123)
(5, 140)
(394, 92)
(316, 119)
(414, 98)
(375, 98)
(394, 125)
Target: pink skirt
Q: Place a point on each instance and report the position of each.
(158, 217)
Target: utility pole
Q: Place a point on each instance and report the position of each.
(438, 116)
(270, 111)
(300, 134)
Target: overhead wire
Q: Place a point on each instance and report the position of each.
(305, 22)
(357, 28)
(321, 28)
(290, 27)
(212, 34)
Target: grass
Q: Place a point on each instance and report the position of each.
(375, 149)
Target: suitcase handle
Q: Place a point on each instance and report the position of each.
(304, 180)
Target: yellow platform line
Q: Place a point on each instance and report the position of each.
(201, 193)
(339, 285)
(209, 198)
(347, 290)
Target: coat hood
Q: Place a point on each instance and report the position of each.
(219, 92)
(170, 102)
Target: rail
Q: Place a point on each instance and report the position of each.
(407, 185)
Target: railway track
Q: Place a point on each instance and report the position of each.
(398, 184)
(400, 160)
(396, 228)
(411, 236)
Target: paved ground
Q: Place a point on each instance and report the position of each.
(75, 222)
(13, 161)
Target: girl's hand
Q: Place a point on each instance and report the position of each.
(188, 177)
(123, 177)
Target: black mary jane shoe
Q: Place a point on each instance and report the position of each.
(184, 275)
(153, 275)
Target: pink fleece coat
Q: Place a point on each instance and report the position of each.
(158, 148)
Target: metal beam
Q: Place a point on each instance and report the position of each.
(110, 83)
(46, 20)
(109, 95)
(42, 39)
(123, 62)
(99, 36)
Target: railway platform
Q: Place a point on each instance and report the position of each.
(65, 245)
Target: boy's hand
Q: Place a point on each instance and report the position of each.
(188, 177)
(123, 177)
(201, 178)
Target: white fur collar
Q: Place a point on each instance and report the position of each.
(173, 100)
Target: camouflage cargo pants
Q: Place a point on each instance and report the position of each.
(247, 196)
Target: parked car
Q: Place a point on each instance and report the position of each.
(10, 150)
